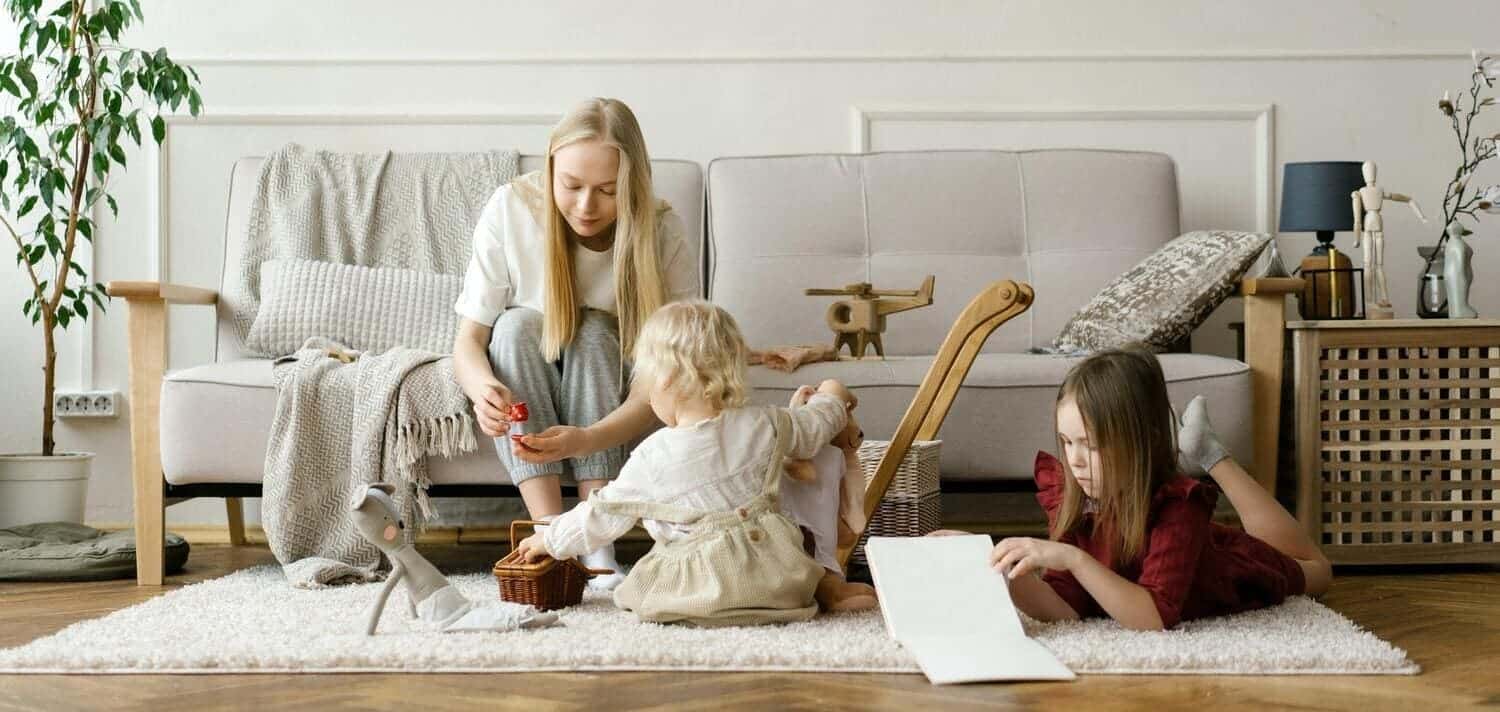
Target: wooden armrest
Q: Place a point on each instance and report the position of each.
(1270, 286)
(174, 293)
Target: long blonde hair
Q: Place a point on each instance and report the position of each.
(1122, 396)
(639, 287)
(696, 350)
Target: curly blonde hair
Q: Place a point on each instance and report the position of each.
(694, 349)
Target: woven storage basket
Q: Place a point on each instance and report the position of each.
(913, 504)
(548, 584)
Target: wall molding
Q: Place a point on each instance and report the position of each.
(1261, 117)
(490, 59)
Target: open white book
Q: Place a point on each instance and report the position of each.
(943, 602)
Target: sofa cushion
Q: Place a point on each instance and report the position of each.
(363, 308)
(1161, 300)
(1066, 221)
(219, 416)
(1003, 414)
(216, 421)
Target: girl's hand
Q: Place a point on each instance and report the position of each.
(558, 442)
(492, 408)
(532, 548)
(1017, 556)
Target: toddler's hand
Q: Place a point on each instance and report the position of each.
(803, 394)
(532, 548)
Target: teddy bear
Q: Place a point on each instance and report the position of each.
(812, 498)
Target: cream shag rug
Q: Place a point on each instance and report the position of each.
(252, 621)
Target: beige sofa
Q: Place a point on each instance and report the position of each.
(1064, 221)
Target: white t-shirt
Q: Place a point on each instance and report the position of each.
(508, 267)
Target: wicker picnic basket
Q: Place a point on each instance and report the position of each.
(548, 584)
(913, 504)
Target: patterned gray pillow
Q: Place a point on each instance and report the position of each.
(1161, 300)
(364, 308)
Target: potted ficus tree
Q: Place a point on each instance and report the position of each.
(72, 97)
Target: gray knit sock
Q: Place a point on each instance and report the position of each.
(1198, 447)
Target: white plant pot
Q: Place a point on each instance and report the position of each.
(36, 489)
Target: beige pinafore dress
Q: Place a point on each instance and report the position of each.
(745, 566)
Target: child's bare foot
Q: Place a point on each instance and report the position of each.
(1198, 447)
(836, 594)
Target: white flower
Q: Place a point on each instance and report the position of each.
(1489, 200)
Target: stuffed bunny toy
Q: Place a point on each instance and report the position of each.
(429, 595)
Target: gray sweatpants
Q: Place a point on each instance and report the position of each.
(580, 389)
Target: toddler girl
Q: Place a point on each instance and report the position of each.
(1131, 536)
(706, 487)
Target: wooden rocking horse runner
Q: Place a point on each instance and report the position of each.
(998, 303)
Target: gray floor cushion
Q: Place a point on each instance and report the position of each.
(63, 551)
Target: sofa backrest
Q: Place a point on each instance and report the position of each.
(679, 182)
(1066, 221)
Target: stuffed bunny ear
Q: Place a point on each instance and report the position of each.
(363, 495)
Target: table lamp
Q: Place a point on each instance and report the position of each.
(1315, 197)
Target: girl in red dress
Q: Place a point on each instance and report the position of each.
(1131, 536)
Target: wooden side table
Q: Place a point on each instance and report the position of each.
(1398, 435)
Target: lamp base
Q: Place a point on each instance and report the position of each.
(1380, 311)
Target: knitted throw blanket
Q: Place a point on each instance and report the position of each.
(408, 210)
(345, 420)
(340, 427)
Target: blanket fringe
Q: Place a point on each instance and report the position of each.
(448, 436)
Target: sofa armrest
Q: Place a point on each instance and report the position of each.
(174, 293)
(146, 315)
(1265, 346)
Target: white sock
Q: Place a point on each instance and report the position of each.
(1197, 444)
(604, 558)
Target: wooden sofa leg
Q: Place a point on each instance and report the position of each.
(147, 326)
(235, 508)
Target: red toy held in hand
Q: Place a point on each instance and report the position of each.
(518, 414)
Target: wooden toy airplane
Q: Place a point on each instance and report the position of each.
(860, 320)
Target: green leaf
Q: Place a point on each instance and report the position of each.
(101, 165)
(37, 253)
(114, 209)
(86, 228)
(26, 206)
(43, 36)
(117, 153)
(78, 270)
(158, 128)
(64, 315)
(26, 306)
(132, 128)
(69, 293)
(81, 308)
(23, 72)
(9, 85)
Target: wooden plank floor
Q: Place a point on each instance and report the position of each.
(1446, 619)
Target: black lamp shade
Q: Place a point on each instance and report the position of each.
(1315, 196)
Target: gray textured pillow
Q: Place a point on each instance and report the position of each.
(1161, 300)
(364, 308)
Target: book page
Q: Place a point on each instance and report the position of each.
(943, 602)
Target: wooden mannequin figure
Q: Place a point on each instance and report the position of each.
(1369, 233)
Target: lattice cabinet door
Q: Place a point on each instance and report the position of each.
(1398, 435)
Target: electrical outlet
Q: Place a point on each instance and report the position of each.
(85, 404)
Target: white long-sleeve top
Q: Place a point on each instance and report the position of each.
(713, 465)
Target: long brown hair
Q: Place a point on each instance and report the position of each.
(639, 286)
(1122, 396)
